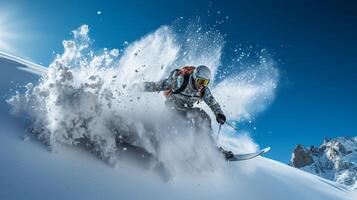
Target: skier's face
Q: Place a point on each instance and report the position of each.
(201, 83)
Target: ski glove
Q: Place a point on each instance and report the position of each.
(221, 118)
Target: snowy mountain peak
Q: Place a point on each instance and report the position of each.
(335, 159)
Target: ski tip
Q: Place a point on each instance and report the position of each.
(265, 150)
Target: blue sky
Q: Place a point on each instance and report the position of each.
(313, 42)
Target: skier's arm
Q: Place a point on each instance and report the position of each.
(157, 86)
(164, 84)
(212, 103)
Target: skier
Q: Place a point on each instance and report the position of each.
(183, 88)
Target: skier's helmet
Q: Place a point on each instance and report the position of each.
(202, 76)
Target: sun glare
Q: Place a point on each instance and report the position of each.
(8, 31)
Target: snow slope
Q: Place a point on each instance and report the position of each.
(29, 171)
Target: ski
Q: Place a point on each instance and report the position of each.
(247, 156)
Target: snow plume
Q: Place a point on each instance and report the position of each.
(254, 88)
(92, 98)
(242, 95)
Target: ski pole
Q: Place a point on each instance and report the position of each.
(219, 131)
(231, 125)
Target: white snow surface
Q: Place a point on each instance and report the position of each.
(96, 96)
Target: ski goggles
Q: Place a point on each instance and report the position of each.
(201, 82)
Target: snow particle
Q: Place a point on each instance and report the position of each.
(26, 138)
(114, 52)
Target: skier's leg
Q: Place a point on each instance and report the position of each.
(200, 119)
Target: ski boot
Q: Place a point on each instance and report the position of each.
(228, 155)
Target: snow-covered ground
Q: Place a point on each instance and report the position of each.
(28, 170)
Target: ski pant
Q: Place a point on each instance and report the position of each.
(196, 117)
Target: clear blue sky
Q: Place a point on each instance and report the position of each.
(314, 43)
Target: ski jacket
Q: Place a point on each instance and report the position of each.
(185, 97)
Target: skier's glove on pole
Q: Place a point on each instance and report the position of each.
(221, 119)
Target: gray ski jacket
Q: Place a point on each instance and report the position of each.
(187, 97)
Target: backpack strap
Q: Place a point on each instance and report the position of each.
(186, 72)
(184, 85)
(186, 79)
